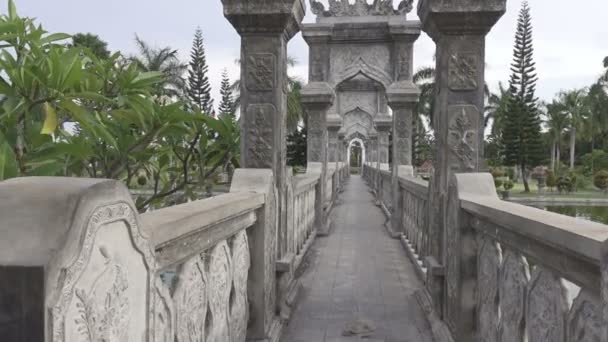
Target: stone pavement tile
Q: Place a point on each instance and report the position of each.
(358, 272)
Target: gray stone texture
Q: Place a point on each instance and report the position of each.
(358, 272)
(459, 30)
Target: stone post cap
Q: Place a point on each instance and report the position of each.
(38, 213)
(410, 30)
(383, 122)
(334, 121)
(402, 93)
(460, 17)
(265, 16)
(317, 95)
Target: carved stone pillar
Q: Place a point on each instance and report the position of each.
(334, 122)
(317, 97)
(265, 28)
(459, 30)
(402, 97)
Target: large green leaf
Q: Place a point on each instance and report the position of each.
(55, 37)
(12, 10)
(8, 163)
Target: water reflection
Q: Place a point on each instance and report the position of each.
(591, 213)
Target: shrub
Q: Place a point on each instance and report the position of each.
(600, 180)
(565, 184)
(498, 182)
(597, 160)
(508, 184)
(551, 180)
(511, 172)
(497, 172)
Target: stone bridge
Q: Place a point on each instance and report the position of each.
(320, 256)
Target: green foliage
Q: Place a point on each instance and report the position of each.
(508, 185)
(296, 148)
(597, 160)
(521, 134)
(92, 42)
(498, 182)
(551, 180)
(565, 184)
(600, 180)
(199, 88)
(227, 106)
(67, 112)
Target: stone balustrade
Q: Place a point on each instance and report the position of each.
(78, 263)
(512, 272)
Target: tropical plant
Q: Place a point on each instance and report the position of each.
(551, 180)
(424, 78)
(92, 42)
(199, 88)
(557, 121)
(495, 110)
(565, 184)
(296, 148)
(600, 180)
(227, 105)
(166, 61)
(573, 103)
(521, 134)
(67, 112)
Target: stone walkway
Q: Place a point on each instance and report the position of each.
(358, 276)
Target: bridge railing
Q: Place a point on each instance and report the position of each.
(506, 271)
(78, 262)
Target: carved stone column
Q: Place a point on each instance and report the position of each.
(402, 97)
(459, 30)
(265, 28)
(317, 97)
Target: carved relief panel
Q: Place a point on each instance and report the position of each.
(514, 277)
(547, 307)
(463, 71)
(107, 293)
(260, 135)
(488, 262)
(261, 72)
(585, 321)
(463, 138)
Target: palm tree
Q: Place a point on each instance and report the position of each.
(163, 60)
(573, 103)
(496, 105)
(557, 120)
(424, 78)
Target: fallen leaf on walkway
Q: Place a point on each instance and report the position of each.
(359, 327)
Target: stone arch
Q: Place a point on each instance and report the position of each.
(359, 118)
(360, 66)
(361, 141)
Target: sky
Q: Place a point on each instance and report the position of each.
(570, 38)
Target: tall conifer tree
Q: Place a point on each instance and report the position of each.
(199, 88)
(227, 106)
(521, 134)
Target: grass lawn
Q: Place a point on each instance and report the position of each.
(518, 191)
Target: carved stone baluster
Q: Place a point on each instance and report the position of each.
(487, 296)
(585, 321)
(239, 305)
(547, 307)
(513, 285)
(219, 275)
(164, 314)
(190, 300)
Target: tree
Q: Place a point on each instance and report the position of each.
(604, 77)
(557, 121)
(600, 180)
(424, 78)
(199, 88)
(495, 109)
(573, 103)
(123, 132)
(227, 105)
(166, 61)
(92, 42)
(296, 148)
(521, 134)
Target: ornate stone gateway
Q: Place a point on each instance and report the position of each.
(360, 50)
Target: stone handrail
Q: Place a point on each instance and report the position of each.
(537, 269)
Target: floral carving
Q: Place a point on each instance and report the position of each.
(260, 72)
(462, 136)
(190, 300)
(260, 135)
(164, 319)
(513, 286)
(462, 71)
(219, 273)
(342, 8)
(110, 320)
(585, 321)
(487, 281)
(547, 307)
(403, 65)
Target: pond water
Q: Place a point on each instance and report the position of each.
(592, 213)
